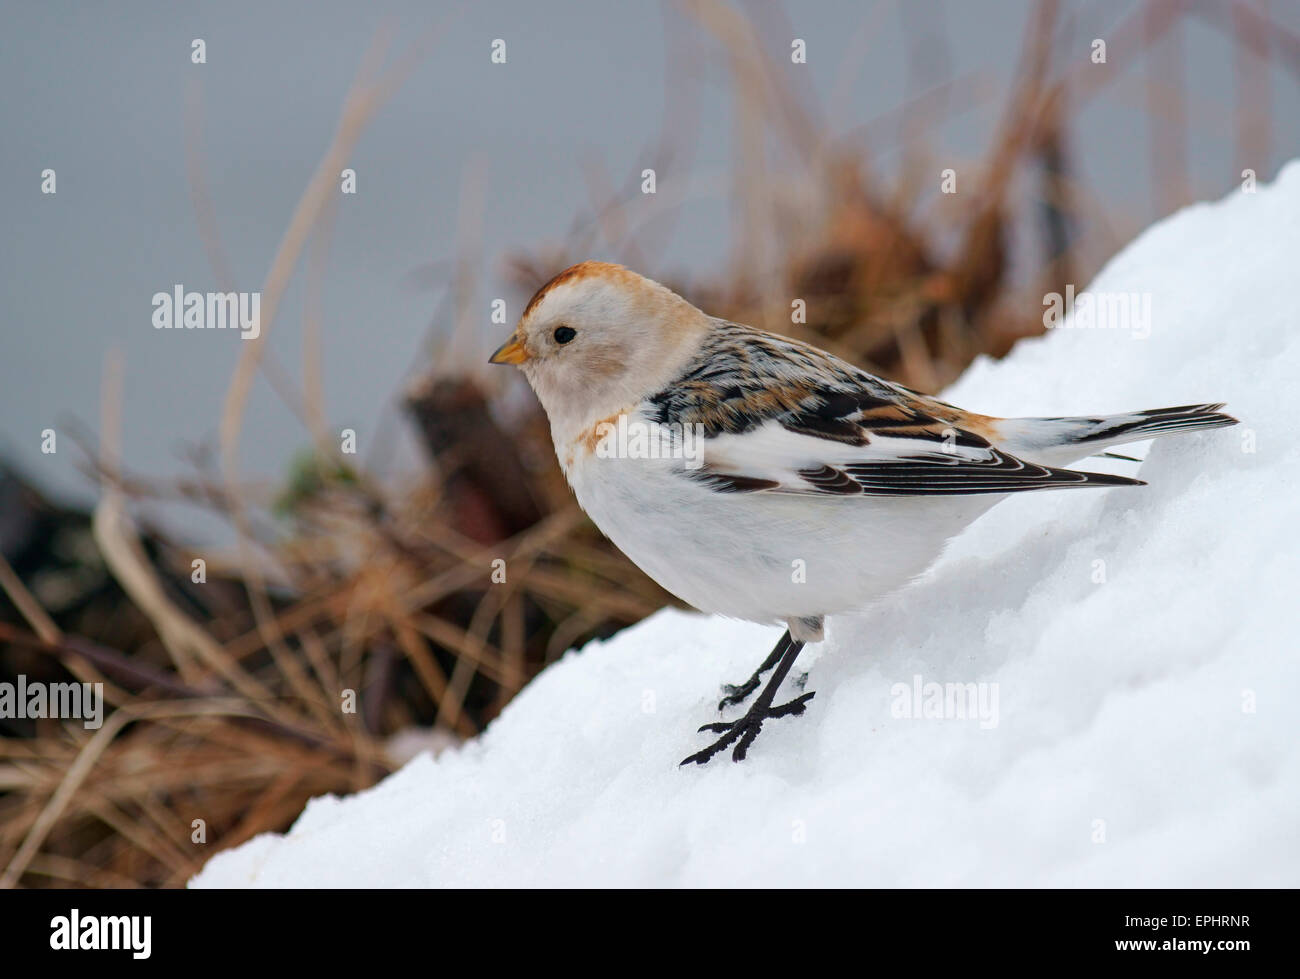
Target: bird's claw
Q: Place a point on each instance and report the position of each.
(743, 731)
(737, 694)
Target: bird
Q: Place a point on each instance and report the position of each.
(758, 477)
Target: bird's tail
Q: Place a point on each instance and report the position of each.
(1063, 440)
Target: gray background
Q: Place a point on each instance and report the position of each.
(98, 92)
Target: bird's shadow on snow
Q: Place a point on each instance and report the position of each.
(939, 623)
(992, 602)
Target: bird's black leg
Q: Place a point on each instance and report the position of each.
(738, 694)
(742, 732)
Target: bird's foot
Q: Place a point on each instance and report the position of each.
(743, 731)
(737, 694)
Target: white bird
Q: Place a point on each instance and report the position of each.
(761, 478)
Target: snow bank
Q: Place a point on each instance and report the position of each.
(1141, 645)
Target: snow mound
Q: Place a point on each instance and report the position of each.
(1133, 653)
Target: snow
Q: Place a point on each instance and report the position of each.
(1142, 644)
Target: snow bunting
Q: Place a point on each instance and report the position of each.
(761, 478)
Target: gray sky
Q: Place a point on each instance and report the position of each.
(98, 93)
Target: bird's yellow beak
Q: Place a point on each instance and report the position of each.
(510, 352)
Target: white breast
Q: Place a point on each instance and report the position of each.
(764, 557)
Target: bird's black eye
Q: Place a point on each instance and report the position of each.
(563, 334)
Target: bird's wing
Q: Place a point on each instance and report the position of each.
(766, 414)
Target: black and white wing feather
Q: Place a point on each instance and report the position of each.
(779, 416)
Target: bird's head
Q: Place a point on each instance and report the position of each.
(598, 338)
